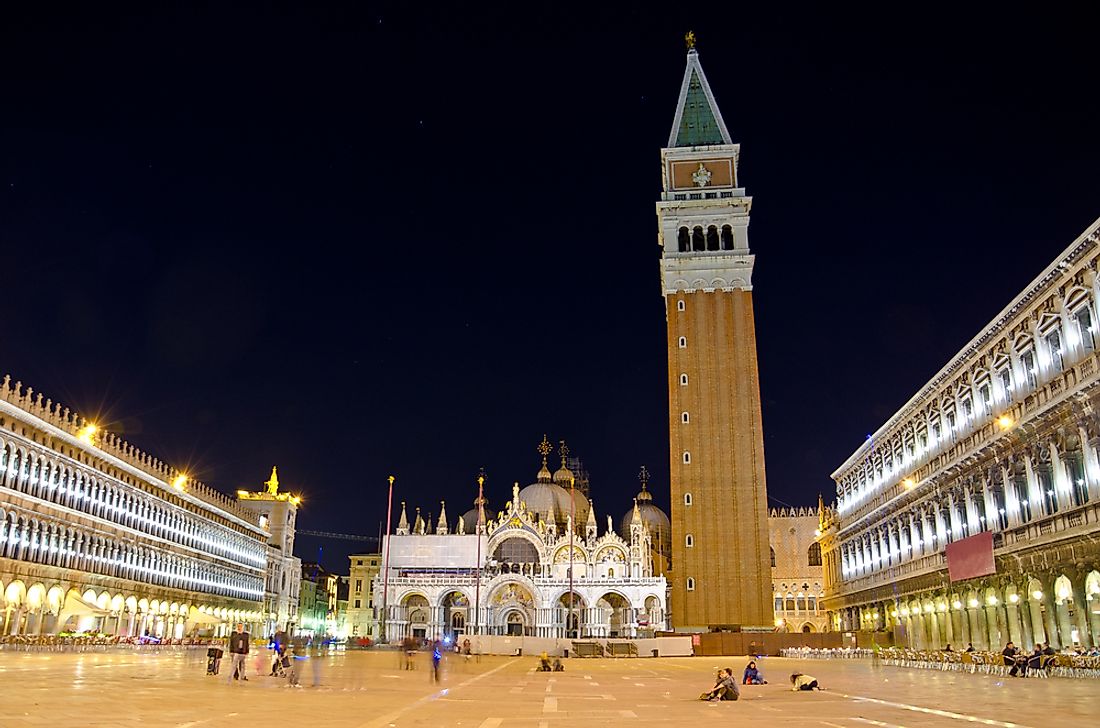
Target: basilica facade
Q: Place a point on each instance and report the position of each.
(541, 566)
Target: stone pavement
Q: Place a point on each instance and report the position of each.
(370, 690)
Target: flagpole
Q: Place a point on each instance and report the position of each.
(386, 567)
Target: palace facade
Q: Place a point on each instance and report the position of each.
(797, 575)
(541, 566)
(1002, 441)
(96, 535)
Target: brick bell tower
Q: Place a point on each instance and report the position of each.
(721, 568)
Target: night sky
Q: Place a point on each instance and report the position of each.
(370, 240)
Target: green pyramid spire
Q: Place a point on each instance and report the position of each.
(698, 120)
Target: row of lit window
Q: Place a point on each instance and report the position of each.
(899, 457)
(17, 540)
(73, 496)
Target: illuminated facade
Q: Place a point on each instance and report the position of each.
(278, 514)
(362, 621)
(797, 576)
(511, 573)
(720, 575)
(96, 535)
(1002, 440)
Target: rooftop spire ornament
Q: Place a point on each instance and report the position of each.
(545, 448)
(564, 450)
(689, 40)
(643, 475)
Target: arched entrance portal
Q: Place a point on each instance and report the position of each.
(514, 608)
(455, 607)
(615, 613)
(571, 615)
(416, 614)
(515, 623)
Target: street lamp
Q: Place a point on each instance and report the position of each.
(386, 566)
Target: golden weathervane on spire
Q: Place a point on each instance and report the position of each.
(564, 450)
(545, 448)
(689, 40)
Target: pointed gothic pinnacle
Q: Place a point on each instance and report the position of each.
(404, 520)
(636, 516)
(442, 515)
(591, 514)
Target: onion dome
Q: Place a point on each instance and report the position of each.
(660, 528)
(548, 497)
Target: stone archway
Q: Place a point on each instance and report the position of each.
(456, 614)
(615, 614)
(508, 598)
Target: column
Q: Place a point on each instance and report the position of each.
(1015, 627)
(1081, 609)
(978, 634)
(1034, 489)
(1059, 479)
(915, 545)
(993, 626)
(1050, 625)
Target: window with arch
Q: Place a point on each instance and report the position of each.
(727, 237)
(698, 243)
(683, 343)
(815, 554)
(687, 457)
(683, 240)
(687, 499)
(1054, 346)
(683, 380)
(680, 306)
(689, 541)
(1082, 319)
(690, 584)
(684, 417)
(712, 238)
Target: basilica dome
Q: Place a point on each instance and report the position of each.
(660, 529)
(469, 518)
(551, 502)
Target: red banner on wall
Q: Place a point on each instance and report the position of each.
(971, 557)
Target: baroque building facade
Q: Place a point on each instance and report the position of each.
(797, 574)
(716, 441)
(539, 567)
(96, 535)
(1002, 441)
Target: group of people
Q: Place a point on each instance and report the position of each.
(1041, 658)
(284, 663)
(727, 688)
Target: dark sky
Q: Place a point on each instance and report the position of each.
(369, 240)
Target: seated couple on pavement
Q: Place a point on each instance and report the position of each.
(725, 687)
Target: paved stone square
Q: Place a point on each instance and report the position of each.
(370, 690)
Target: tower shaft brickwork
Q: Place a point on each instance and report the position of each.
(721, 571)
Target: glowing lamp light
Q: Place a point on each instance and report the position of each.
(909, 483)
(87, 433)
(779, 622)
(295, 499)
(1013, 598)
(242, 493)
(179, 482)
(1038, 595)
(943, 607)
(992, 601)
(1004, 422)
(905, 612)
(957, 604)
(894, 613)
(817, 532)
(973, 603)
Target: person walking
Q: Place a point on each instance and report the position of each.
(437, 656)
(238, 652)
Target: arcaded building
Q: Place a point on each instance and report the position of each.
(720, 575)
(973, 513)
(96, 535)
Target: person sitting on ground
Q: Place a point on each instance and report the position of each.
(1015, 660)
(800, 681)
(970, 647)
(558, 667)
(544, 663)
(725, 687)
(752, 675)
